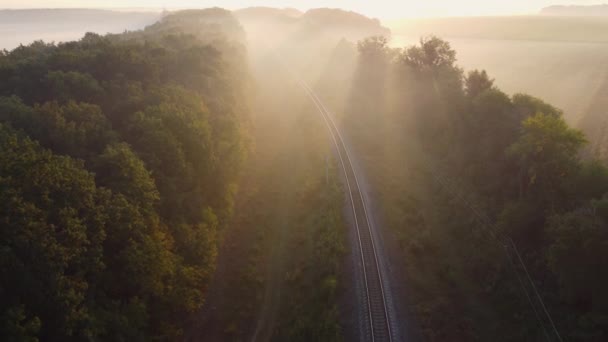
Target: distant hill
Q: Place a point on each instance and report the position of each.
(576, 10)
(25, 26)
(346, 22)
(264, 12)
(313, 23)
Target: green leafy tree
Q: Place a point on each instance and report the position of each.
(547, 153)
(577, 256)
(432, 52)
(118, 170)
(477, 82)
(52, 235)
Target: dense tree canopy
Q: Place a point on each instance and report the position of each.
(118, 158)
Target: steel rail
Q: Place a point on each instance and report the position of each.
(377, 298)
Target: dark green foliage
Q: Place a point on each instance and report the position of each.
(119, 169)
(52, 230)
(577, 256)
(75, 86)
(118, 158)
(546, 152)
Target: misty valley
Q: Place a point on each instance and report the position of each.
(272, 174)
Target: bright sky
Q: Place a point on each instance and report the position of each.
(384, 9)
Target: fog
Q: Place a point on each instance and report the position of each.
(563, 60)
(559, 59)
(25, 26)
(275, 174)
(567, 74)
(436, 157)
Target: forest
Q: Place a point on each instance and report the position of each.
(488, 168)
(181, 182)
(120, 156)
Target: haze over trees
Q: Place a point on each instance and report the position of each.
(174, 183)
(520, 164)
(525, 53)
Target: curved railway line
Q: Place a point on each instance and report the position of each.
(377, 318)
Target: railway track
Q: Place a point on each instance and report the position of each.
(377, 322)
